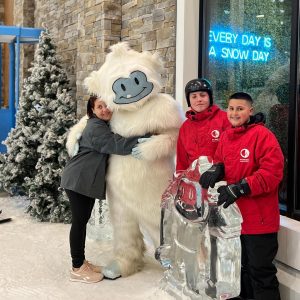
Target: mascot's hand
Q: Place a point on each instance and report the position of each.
(75, 150)
(137, 151)
(73, 147)
(74, 136)
(143, 140)
(155, 147)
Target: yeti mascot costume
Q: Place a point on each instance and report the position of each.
(129, 82)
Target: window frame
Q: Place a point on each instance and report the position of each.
(293, 199)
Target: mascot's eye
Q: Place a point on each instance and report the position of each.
(123, 87)
(136, 80)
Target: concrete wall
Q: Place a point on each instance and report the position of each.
(288, 259)
(187, 46)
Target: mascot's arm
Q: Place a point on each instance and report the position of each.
(74, 136)
(158, 146)
(165, 117)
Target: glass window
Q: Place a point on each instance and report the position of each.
(247, 47)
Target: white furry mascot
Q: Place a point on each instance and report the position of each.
(130, 82)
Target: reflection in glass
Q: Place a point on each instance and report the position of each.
(248, 49)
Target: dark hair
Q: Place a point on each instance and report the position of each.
(90, 105)
(242, 96)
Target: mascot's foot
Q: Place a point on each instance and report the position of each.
(112, 270)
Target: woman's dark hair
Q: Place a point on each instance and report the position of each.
(242, 96)
(90, 106)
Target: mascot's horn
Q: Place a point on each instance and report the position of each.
(120, 48)
(91, 83)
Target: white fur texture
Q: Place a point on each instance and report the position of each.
(135, 186)
(74, 135)
(120, 62)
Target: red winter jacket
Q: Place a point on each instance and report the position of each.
(199, 135)
(253, 152)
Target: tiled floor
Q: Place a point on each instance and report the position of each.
(35, 262)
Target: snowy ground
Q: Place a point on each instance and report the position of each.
(35, 263)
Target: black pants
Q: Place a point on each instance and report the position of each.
(258, 277)
(81, 208)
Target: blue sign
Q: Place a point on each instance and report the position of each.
(226, 44)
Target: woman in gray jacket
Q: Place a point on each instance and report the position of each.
(84, 181)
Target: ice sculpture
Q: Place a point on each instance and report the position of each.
(99, 227)
(200, 241)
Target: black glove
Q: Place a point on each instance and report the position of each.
(230, 193)
(211, 176)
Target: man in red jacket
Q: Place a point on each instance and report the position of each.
(250, 159)
(199, 134)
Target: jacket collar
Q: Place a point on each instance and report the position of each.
(209, 113)
(235, 132)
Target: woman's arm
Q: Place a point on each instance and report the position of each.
(105, 141)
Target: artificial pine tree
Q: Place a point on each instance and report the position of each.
(34, 116)
(47, 202)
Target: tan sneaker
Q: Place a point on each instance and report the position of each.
(94, 268)
(85, 274)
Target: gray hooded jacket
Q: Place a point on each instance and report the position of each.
(85, 172)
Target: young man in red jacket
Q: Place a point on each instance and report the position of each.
(250, 159)
(199, 134)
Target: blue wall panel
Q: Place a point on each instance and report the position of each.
(14, 36)
(6, 121)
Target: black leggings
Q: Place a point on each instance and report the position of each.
(81, 208)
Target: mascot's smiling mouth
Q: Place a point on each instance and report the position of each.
(130, 96)
(136, 84)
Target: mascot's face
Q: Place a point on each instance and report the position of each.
(132, 89)
(127, 79)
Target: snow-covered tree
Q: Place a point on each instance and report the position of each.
(47, 202)
(34, 116)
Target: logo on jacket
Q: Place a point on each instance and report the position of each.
(215, 134)
(244, 154)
